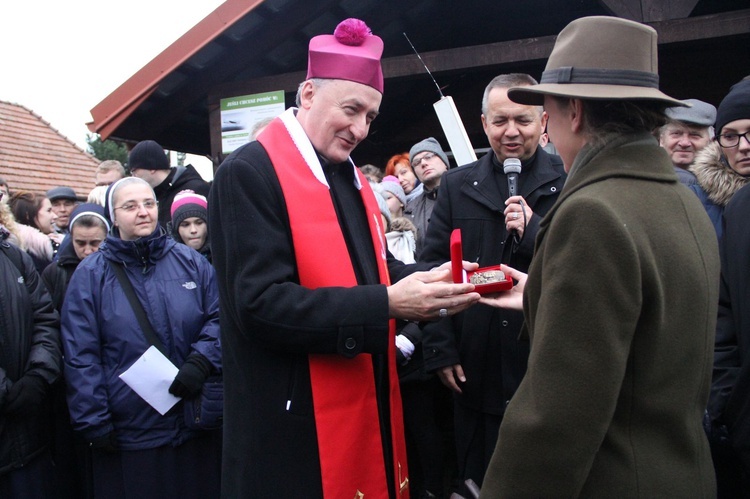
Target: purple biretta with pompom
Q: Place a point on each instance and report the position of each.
(351, 53)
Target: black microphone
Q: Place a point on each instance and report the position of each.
(512, 167)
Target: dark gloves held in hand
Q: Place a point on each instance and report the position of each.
(26, 394)
(191, 376)
(105, 443)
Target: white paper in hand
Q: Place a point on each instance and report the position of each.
(150, 377)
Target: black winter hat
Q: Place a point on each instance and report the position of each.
(735, 106)
(148, 155)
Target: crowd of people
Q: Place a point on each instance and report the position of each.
(71, 427)
(356, 360)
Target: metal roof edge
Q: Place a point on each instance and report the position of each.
(116, 107)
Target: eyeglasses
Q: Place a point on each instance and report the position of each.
(149, 204)
(426, 157)
(732, 139)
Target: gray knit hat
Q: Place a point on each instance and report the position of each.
(429, 144)
(383, 205)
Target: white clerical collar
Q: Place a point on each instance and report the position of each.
(305, 147)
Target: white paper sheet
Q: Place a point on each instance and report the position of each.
(150, 377)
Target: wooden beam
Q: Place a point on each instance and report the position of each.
(703, 27)
(406, 66)
(463, 58)
(495, 54)
(650, 10)
(664, 10)
(627, 9)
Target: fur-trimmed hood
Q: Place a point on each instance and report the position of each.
(35, 242)
(714, 175)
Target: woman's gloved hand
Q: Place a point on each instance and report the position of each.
(191, 376)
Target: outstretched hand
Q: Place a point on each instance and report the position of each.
(468, 266)
(511, 299)
(422, 296)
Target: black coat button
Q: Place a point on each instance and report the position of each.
(350, 343)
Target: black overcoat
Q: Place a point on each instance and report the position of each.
(484, 340)
(30, 339)
(57, 274)
(269, 325)
(730, 390)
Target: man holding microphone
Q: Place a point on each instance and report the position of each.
(477, 353)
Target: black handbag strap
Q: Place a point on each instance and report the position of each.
(135, 303)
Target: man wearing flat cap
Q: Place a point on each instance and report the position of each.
(688, 131)
(63, 201)
(312, 405)
(620, 301)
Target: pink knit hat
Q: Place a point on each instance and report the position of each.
(183, 198)
(351, 53)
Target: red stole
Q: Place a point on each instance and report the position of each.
(344, 396)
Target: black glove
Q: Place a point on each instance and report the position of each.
(191, 376)
(26, 395)
(106, 443)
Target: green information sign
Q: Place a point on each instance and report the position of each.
(239, 115)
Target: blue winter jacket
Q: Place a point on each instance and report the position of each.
(102, 338)
(713, 210)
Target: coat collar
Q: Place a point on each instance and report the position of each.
(66, 255)
(480, 185)
(142, 252)
(635, 156)
(715, 176)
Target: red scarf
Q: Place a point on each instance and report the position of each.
(344, 396)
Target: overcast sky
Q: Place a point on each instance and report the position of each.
(61, 58)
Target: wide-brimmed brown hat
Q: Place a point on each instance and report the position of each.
(600, 57)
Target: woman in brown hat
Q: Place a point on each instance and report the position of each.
(620, 301)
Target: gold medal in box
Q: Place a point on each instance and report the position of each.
(486, 279)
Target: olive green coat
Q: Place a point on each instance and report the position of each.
(620, 307)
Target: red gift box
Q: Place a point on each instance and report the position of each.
(460, 275)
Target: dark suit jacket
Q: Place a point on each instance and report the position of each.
(484, 339)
